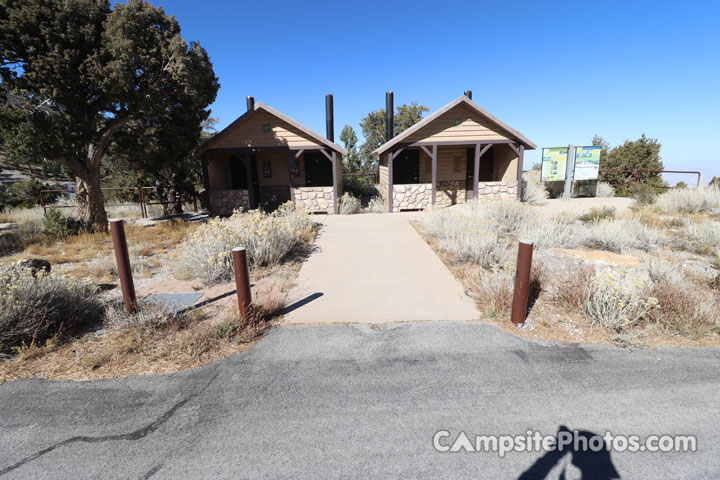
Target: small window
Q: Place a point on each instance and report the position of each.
(267, 169)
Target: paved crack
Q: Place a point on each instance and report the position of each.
(131, 436)
(152, 471)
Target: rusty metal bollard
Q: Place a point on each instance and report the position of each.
(117, 230)
(242, 278)
(522, 283)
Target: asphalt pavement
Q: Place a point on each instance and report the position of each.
(367, 401)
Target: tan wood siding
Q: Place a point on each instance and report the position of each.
(448, 158)
(264, 130)
(458, 124)
(505, 164)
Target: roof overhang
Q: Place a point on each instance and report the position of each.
(399, 139)
(208, 145)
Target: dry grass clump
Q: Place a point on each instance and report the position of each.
(695, 200)
(348, 204)
(34, 309)
(570, 288)
(493, 291)
(550, 233)
(686, 308)
(267, 237)
(705, 233)
(467, 238)
(533, 192)
(618, 302)
(604, 189)
(597, 214)
(624, 234)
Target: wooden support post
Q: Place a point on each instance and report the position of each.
(248, 173)
(521, 155)
(521, 290)
(242, 279)
(335, 182)
(434, 172)
(476, 169)
(206, 182)
(390, 181)
(117, 231)
(291, 164)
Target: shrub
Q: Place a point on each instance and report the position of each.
(617, 302)
(507, 215)
(571, 288)
(696, 200)
(34, 309)
(686, 308)
(56, 227)
(348, 205)
(26, 194)
(494, 291)
(624, 234)
(604, 189)
(377, 205)
(268, 238)
(706, 233)
(644, 194)
(550, 233)
(598, 214)
(533, 192)
(466, 238)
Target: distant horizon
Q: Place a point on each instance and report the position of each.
(633, 68)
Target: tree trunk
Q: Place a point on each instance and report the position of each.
(173, 201)
(91, 206)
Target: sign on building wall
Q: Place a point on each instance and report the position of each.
(587, 163)
(553, 164)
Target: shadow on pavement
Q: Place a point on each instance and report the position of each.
(301, 302)
(592, 463)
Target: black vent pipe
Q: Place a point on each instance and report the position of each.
(250, 103)
(389, 116)
(329, 118)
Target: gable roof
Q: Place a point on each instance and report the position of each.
(259, 106)
(432, 117)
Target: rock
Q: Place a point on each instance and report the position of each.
(34, 265)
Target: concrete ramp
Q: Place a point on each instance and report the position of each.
(375, 268)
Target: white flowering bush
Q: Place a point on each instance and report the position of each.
(706, 232)
(267, 237)
(690, 200)
(34, 309)
(624, 234)
(377, 205)
(348, 204)
(618, 301)
(468, 238)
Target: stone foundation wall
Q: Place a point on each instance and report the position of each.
(412, 196)
(315, 199)
(225, 202)
(450, 192)
(496, 190)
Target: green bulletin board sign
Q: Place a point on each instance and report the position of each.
(587, 163)
(553, 164)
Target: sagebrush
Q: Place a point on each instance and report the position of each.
(34, 309)
(267, 237)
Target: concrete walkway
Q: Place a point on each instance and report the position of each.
(375, 268)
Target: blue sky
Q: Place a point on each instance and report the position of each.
(559, 72)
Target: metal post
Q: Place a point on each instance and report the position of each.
(142, 203)
(569, 172)
(117, 230)
(242, 278)
(522, 283)
(42, 201)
